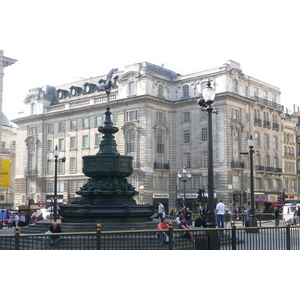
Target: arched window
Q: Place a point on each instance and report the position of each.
(131, 88)
(160, 90)
(186, 91)
(235, 86)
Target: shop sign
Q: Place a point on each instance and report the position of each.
(160, 195)
(261, 198)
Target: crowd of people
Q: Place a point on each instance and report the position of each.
(20, 219)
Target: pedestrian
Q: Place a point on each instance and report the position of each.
(202, 211)
(160, 210)
(54, 228)
(181, 213)
(298, 214)
(183, 225)
(227, 219)
(9, 222)
(276, 216)
(198, 221)
(16, 219)
(188, 216)
(33, 217)
(162, 235)
(220, 213)
(22, 220)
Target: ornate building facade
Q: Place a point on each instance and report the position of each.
(162, 127)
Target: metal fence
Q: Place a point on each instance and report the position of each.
(243, 238)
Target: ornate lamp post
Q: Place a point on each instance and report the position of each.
(184, 176)
(253, 219)
(55, 154)
(205, 104)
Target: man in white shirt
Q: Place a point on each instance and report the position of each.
(16, 219)
(220, 213)
(160, 210)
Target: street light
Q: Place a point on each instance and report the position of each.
(55, 154)
(253, 219)
(205, 104)
(184, 176)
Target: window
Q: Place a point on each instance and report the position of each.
(131, 88)
(236, 114)
(98, 137)
(73, 124)
(257, 183)
(49, 128)
(235, 86)
(131, 115)
(160, 117)
(60, 186)
(203, 114)
(49, 145)
(276, 162)
(32, 130)
(187, 160)
(186, 136)
(130, 142)
(160, 147)
(98, 121)
(256, 92)
(31, 186)
(85, 123)
(257, 139)
(61, 144)
(204, 134)
(204, 159)
(61, 126)
(275, 142)
(196, 182)
(49, 166)
(160, 90)
(267, 141)
(265, 95)
(186, 91)
(33, 108)
(186, 116)
(72, 186)
(267, 183)
(73, 142)
(160, 183)
(61, 166)
(72, 164)
(274, 98)
(49, 186)
(85, 141)
(31, 157)
(267, 160)
(246, 91)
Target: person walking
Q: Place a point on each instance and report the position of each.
(220, 213)
(161, 209)
(276, 216)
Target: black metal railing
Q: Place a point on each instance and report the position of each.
(234, 238)
(237, 165)
(159, 165)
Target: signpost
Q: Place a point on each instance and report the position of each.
(41, 203)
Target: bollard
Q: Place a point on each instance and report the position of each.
(288, 235)
(171, 236)
(17, 238)
(98, 237)
(233, 240)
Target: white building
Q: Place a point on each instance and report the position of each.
(161, 126)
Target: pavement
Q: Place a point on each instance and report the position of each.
(266, 223)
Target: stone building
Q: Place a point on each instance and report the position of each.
(162, 127)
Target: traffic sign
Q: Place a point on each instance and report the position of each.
(41, 203)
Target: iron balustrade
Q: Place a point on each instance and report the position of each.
(234, 238)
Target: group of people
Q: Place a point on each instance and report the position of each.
(20, 220)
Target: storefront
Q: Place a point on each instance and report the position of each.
(265, 203)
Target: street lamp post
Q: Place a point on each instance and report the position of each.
(184, 177)
(55, 154)
(253, 219)
(205, 104)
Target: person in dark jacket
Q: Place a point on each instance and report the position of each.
(54, 228)
(276, 216)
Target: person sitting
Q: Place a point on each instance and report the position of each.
(183, 225)
(54, 228)
(162, 235)
(198, 221)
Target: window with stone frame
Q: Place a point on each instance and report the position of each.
(186, 91)
(186, 136)
(204, 134)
